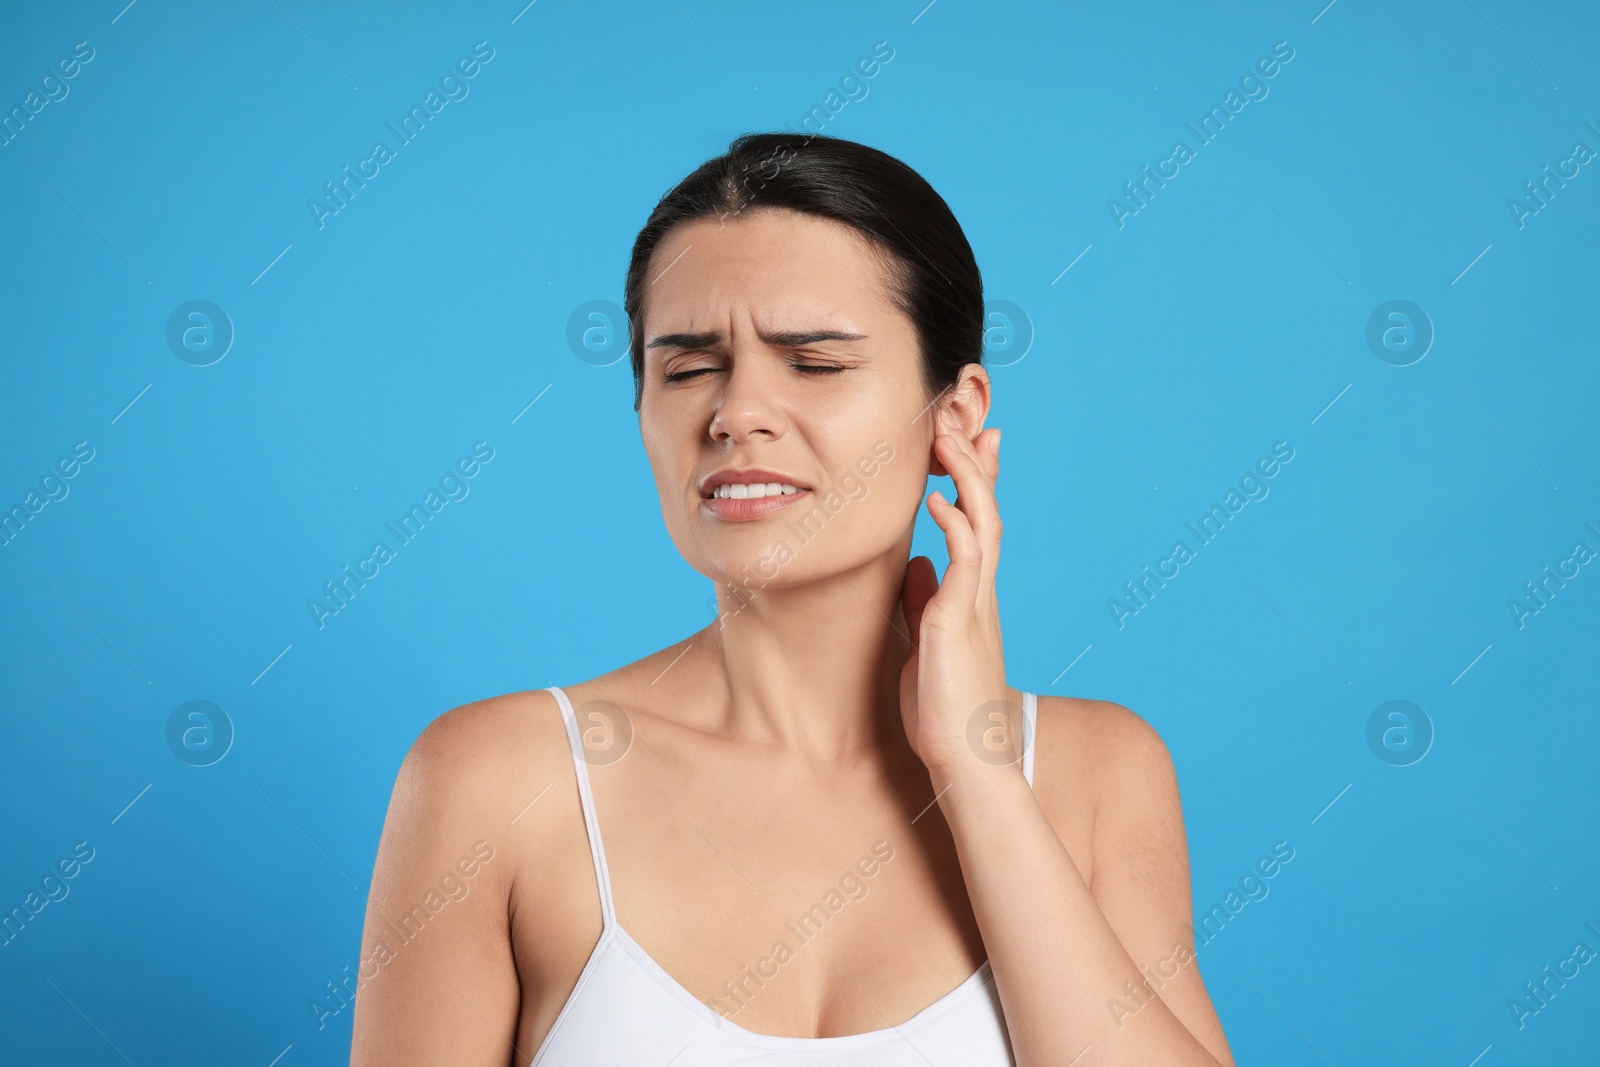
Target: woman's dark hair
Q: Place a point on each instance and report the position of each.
(933, 276)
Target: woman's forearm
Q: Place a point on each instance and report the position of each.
(1056, 959)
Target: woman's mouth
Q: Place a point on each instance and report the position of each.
(754, 491)
(739, 496)
(740, 503)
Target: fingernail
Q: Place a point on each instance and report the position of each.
(997, 444)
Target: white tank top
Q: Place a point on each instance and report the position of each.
(627, 1011)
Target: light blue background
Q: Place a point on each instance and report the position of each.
(1227, 315)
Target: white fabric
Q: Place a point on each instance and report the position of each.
(627, 1011)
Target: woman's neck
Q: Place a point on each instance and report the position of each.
(815, 668)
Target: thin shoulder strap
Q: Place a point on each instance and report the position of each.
(1030, 724)
(591, 821)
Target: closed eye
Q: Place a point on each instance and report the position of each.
(807, 368)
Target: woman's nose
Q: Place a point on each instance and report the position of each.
(750, 401)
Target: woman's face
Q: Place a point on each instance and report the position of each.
(770, 344)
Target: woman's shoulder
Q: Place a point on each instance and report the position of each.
(1104, 779)
(529, 721)
(1099, 722)
(1090, 749)
(487, 752)
(499, 769)
(492, 745)
(483, 838)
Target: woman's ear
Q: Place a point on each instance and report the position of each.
(961, 409)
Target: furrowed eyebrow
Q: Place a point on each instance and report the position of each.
(788, 339)
(800, 338)
(686, 340)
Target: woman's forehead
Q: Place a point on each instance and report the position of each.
(783, 270)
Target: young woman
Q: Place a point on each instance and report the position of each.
(832, 833)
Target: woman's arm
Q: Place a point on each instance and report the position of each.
(1060, 960)
(1067, 956)
(437, 980)
(1140, 877)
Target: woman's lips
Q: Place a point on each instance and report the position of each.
(749, 508)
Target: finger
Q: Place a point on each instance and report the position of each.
(985, 448)
(965, 573)
(976, 500)
(971, 470)
(982, 469)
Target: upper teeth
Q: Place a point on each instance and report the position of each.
(741, 491)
